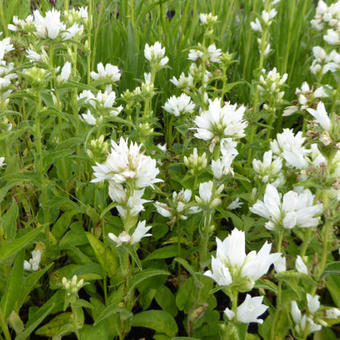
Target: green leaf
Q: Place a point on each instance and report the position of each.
(110, 310)
(296, 275)
(98, 248)
(16, 323)
(13, 287)
(10, 221)
(62, 323)
(332, 268)
(39, 316)
(185, 297)
(11, 248)
(333, 284)
(146, 274)
(29, 284)
(166, 300)
(266, 284)
(74, 237)
(90, 332)
(158, 320)
(163, 253)
(62, 224)
(53, 156)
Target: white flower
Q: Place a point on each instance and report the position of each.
(110, 72)
(49, 26)
(303, 324)
(183, 81)
(219, 273)
(177, 206)
(209, 195)
(313, 303)
(300, 265)
(268, 169)
(179, 105)
(127, 163)
(332, 37)
(2, 162)
(194, 55)
(332, 313)
(5, 47)
(72, 286)
(231, 254)
(280, 264)
(296, 209)
(222, 166)
(295, 312)
(140, 232)
(33, 56)
(19, 24)
(133, 204)
(155, 54)
(321, 115)
(290, 147)
(124, 237)
(229, 313)
(235, 204)
(207, 18)
(89, 118)
(211, 53)
(268, 16)
(251, 309)
(214, 54)
(65, 72)
(196, 162)
(220, 122)
(256, 25)
(33, 263)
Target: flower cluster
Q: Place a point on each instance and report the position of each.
(327, 20)
(307, 98)
(33, 263)
(295, 210)
(262, 25)
(269, 170)
(220, 122)
(179, 207)
(232, 267)
(124, 238)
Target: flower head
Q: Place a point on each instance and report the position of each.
(140, 232)
(239, 268)
(33, 263)
(155, 54)
(178, 106)
(126, 163)
(296, 209)
(219, 122)
(109, 72)
(290, 148)
(249, 310)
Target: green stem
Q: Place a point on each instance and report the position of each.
(306, 241)
(2, 16)
(273, 334)
(89, 39)
(75, 321)
(205, 240)
(94, 48)
(66, 5)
